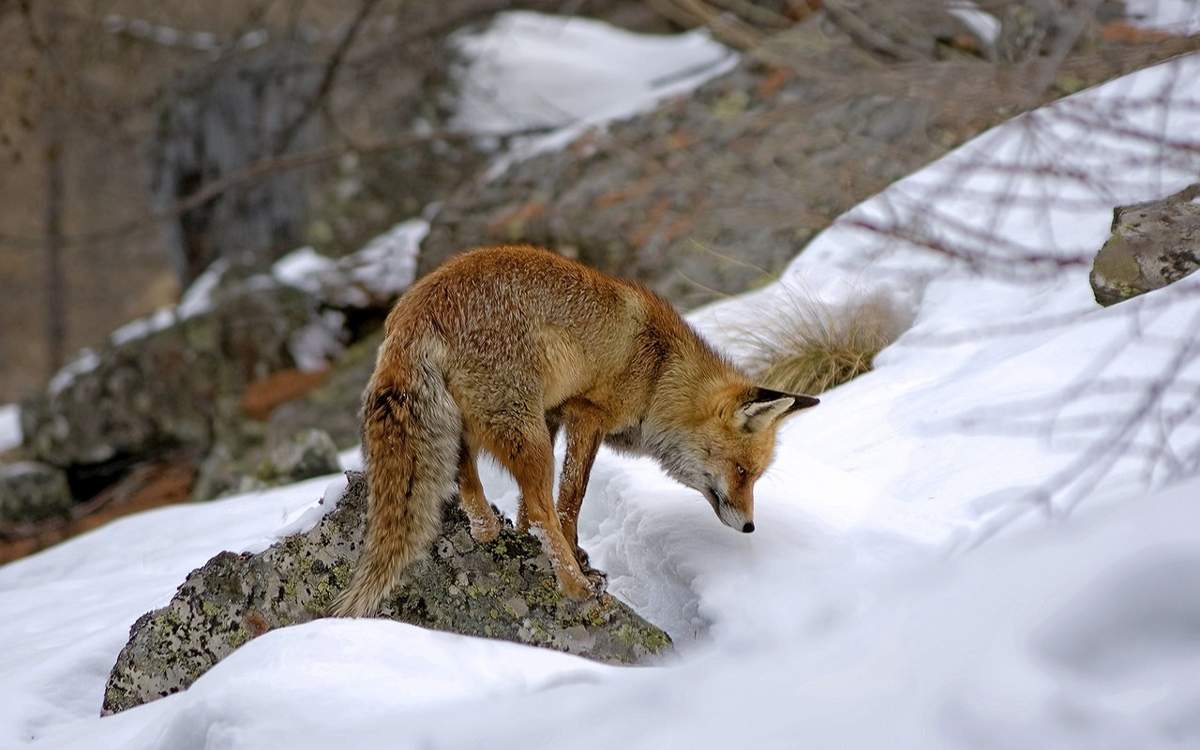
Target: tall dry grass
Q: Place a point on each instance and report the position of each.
(810, 346)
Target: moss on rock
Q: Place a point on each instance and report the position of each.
(505, 589)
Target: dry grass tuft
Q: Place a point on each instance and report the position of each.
(812, 346)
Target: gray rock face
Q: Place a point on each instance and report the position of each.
(31, 492)
(714, 192)
(1153, 244)
(220, 122)
(308, 453)
(247, 462)
(169, 388)
(335, 404)
(505, 589)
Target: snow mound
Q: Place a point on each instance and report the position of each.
(529, 70)
(10, 426)
(374, 275)
(1177, 16)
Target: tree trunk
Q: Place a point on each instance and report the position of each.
(56, 304)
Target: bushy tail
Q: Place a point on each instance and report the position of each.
(412, 430)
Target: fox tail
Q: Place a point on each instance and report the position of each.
(412, 432)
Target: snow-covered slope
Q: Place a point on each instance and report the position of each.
(853, 616)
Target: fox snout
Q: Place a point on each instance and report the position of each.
(729, 514)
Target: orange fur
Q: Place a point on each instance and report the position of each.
(501, 346)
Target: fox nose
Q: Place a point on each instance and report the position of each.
(748, 527)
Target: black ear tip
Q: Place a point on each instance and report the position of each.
(804, 402)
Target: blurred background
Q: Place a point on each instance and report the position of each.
(208, 207)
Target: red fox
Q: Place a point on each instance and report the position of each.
(501, 347)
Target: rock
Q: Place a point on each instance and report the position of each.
(246, 462)
(335, 404)
(31, 492)
(714, 193)
(173, 386)
(1153, 244)
(224, 473)
(308, 453)
(219, 121)
(505, 589)
(710, 193)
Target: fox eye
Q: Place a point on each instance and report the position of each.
(741, 471)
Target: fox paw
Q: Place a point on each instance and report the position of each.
(485, 530)
(597, 578)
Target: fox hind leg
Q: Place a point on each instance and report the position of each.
(485, 527)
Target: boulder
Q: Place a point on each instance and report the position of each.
(505, 589)
(172, 384)
(247, 462)
(335, 403)
(31, 492)
(1153, 244)
(306, 454)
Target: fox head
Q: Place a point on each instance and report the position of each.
(726, 447)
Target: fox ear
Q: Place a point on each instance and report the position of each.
(767, 405)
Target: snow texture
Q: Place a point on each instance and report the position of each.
(980, 22)
(303, 269)
(528, 70)
(903, 588)
(1177, 16)
(10, 426)
(196, 300)
(85, 361)
(382, 269)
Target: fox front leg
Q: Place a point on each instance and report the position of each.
(585, 431)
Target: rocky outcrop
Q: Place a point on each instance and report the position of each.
(32, 492)
(714, 193)
(255, 464)
(172, 386)
(1153, 244)
(505, 589)
(335, 403)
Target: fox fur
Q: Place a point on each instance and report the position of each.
(499, 349)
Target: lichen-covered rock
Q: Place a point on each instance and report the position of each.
(31, 491)
(505, 589)
(1153, 244)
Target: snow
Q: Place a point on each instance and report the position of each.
(1177, 16)
(196, 300)
(528, 70)
(10, 426)
(958, 549)
(388, 263)
(983, 24)
(381, 270)
(317, 344)
(85, 361)
(303, 269)
(306, 518)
